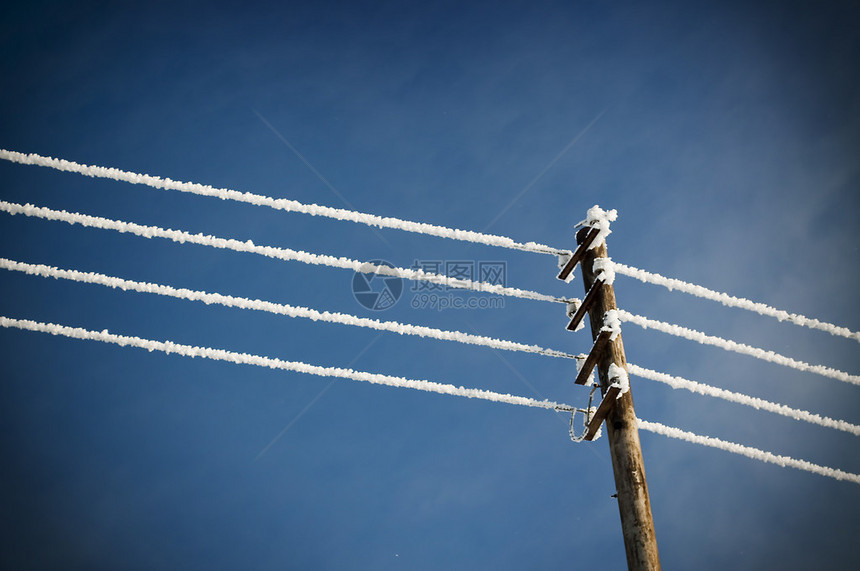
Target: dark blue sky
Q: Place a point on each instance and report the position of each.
(726, 135)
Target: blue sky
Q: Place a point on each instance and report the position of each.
(726, 135)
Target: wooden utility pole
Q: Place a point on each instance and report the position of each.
(640, 542)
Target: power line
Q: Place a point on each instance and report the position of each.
(272, 363)
(748, 451)
(407, 329)
(736, 347)
(286, 254)
(276, 308)
(673, 284)
(428, 386)
(354, 265)
(276, 203)
(441, 231)
(754, 402)
(416, 227)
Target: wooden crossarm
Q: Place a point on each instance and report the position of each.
(591, 360)
(605, 406)
(577, 255)
(584, 306)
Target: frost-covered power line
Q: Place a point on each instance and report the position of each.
(748, 451)
(297, 366)
(673, 284)
(276, 203)
(408, 329)
(375, 378)
(276, 308)
(736, 347)
(286, 254)
(416, 227)
(754, 402)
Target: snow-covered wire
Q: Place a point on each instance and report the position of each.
(417, 227)
(276, 203)
(748, 451)
(731, 301)
(741, 348)
(420, 228)
(276, 308)
(269, 251)
(754, 402)
(272, 363)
